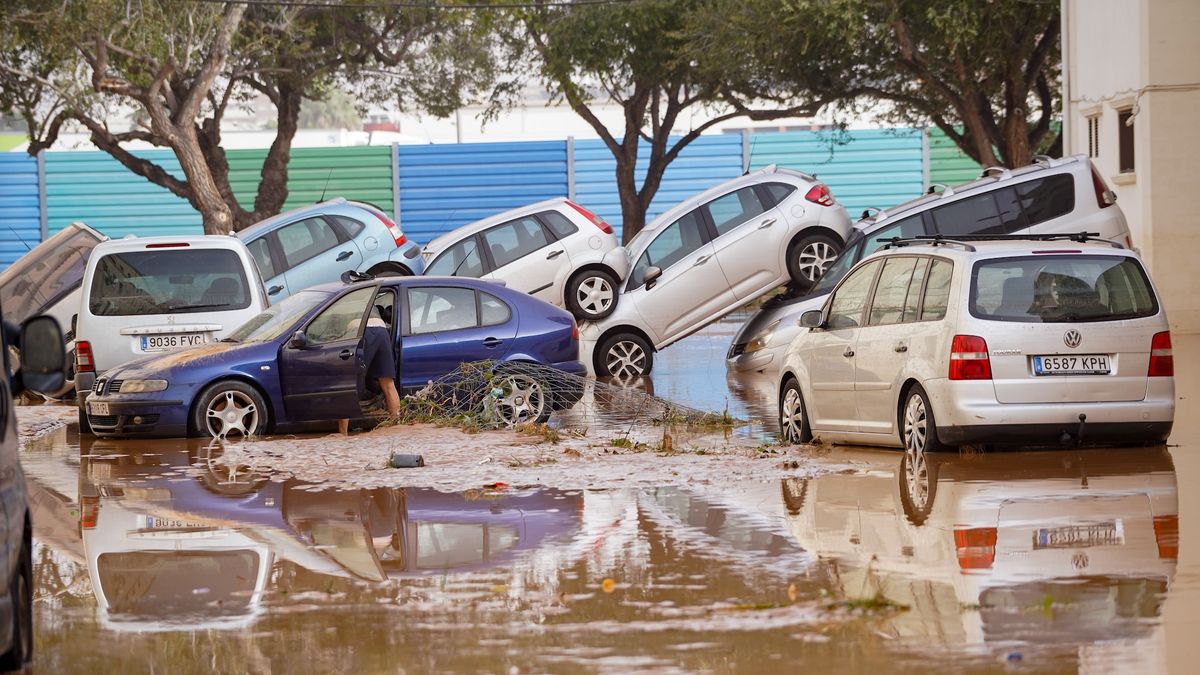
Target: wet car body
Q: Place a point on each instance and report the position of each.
(300, 384)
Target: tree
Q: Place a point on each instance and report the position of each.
(335, 111)
(180, 66)
(976, 70)
(659, 60)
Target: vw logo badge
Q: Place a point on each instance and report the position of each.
(1072, 338)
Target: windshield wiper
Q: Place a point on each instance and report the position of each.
(208, 305)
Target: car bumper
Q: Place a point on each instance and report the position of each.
(409, 255)
(967, 412)
(159, 418)
(754, 361)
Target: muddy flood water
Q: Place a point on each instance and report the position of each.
(1060, 560)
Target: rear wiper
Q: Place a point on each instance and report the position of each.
(209, 305)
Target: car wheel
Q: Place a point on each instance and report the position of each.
(390, 270)
(918, 485)
(227, 471)
(809, 257)
(517, 399)
(625, 356)
(793, 417)
(795, 491)
(230, 408)
(20, 589)
(918, 427)
(591, 295)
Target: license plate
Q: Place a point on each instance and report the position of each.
(166, 343)
(97, 408)
(1079, 364)
(1080, 536)
(158, 523)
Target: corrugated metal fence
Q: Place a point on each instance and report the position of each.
(431, 189)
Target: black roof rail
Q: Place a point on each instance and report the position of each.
(934, 240)
(962, 239)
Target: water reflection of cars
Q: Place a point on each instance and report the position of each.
(1091, 535)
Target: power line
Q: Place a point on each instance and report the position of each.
(415, 5)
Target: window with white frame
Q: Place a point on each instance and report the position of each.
(1093, 130)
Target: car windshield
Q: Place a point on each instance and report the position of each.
(838, 269)
(45, 274)
(1061, 288)
(278, 319)
(169, 281)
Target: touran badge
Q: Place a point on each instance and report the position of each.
(1072, 338)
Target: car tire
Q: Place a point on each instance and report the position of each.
(917, 425)
(390, 270)
(591, 295)
(795, 493)
(809, 256)
(624, 356)
(20, 589)
(918, 485)
(214, 416)
(793, 415)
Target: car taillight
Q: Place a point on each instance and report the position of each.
(574, 331)
(595, 219)
(89, 512)
(969, 358)
(392, 227)
(1128, 240)
(1104, 197)
(1162, 361)
(975, 546)
(83, 358)
(1166, 534)
(820, 194)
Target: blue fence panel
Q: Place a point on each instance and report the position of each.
(97, 189)
(864, 168)
(445, 186)
(20, 228)
(705, 162)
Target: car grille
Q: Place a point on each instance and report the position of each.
(98, 388)
(112, 386)
(113, 423)
(736, 350)
(103, 421)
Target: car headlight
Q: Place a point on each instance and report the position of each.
(142, 386)
(761, 339)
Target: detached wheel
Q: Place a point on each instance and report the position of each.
(230, 408)
(793, 417)
(625, 356)
(809, 257)
(520, 399)
(591, 295)
(20, 590)
(918, 428)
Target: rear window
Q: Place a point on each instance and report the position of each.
(169, 281)
(1061, 289)
(39, 279)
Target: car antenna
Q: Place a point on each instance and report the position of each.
(10, 229)
(326, 186)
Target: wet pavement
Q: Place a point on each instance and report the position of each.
(155, 556)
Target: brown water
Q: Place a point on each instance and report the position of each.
(1043, 561)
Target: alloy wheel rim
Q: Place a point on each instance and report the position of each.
(524, 400)
(916, 426)
(791, 416)
(595, 295)
(626, 360)
(232, 412)
(916, 478)
(814, 259)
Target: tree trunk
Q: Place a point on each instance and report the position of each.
(273, 189)
(205, 196)
(633, 216)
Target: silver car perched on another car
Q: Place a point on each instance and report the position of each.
(1049, 196)
(710, 255)
(315, 244)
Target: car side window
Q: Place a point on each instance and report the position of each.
(260, 250)
(912, 301)
(906, 227)
(675, 242)
(937, 291)
(440, 309)
(492, 310)
(559, 224)
(846, 307)
(305, 239)
(734, 209)
(887, 307)
(780, 191)
(460, 260)
(342, 320)
(1047, 198)
(515, 240)
(995, 212)
(352, 226)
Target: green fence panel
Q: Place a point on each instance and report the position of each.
(948, 164)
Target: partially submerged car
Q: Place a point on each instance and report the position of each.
(301, 361)
(554, 250)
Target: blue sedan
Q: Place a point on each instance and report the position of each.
(301, 361)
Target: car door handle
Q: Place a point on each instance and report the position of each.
(848, 353)
(701, 260)
(274, 289)
(900, 348)
(492, 342)
(553, 254)
(345, 354)
(344, 255)
(766, 223)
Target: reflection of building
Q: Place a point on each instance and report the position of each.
(1133, 83)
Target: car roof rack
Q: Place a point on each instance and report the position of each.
(963, 239)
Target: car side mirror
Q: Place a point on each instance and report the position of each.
(43, 359)
(810, 319)
(298, 341)
(652, 274)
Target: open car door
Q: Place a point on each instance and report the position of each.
(320, 374)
